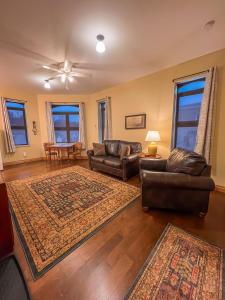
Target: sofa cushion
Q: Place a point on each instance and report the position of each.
(124, 150)
(99, 158)
(99, 149)
(112, 147)
(135, 147)
(114, 162)
(187, 162)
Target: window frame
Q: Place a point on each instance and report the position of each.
(101, 120)
(24, 120)
(67, 128)
(176, 123)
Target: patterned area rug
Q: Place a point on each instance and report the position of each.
(180, 267)
(56, 212)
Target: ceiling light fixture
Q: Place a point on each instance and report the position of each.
(100, 46)
(47, 84)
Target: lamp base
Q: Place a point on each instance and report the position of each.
(152, 149)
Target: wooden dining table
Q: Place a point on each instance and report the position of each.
(62, 147)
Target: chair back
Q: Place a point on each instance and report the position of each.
(78, 146)
(46, 146)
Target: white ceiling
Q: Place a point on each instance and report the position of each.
(142, 36)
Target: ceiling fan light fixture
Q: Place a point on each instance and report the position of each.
(47, 84)
(63, 77)
(65, 72)
(70, 78)
(100, 46)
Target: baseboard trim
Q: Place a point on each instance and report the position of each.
(28, 160)
(220, 188)
(17, 162)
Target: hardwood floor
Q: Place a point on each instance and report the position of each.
(105, 265)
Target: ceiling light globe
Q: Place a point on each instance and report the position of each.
(100, 47)
(63, 77)
(70, 78)
(47, 85)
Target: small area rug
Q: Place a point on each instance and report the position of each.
(56, 212)
(180, 267)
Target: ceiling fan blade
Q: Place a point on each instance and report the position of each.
(52, 68)
(65, 65)
(53, 77)
(77, 74)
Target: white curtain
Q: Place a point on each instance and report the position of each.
(82, 129)
(108, 119)
(50, 124)
(9, 142)
(206, 118)
(1, 162)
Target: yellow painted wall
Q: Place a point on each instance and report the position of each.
(154, 95)
(33, 150)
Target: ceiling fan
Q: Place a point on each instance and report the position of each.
(66, 71)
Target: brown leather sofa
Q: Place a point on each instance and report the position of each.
(180, 183)
(111, 162)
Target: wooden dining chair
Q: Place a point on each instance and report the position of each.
(48, 152)
(76, 150)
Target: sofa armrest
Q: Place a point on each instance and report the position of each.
(153, 164)
(90, 153)
(130, 158)
(176, 181)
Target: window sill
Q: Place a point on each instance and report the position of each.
(22, 146)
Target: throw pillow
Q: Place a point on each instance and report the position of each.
(99, 149)
(124, 151)
(184, 161)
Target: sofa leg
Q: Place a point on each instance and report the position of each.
(145, 208)
(202, 214)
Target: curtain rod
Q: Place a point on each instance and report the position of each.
(198, 73)
(65, 103)
(103, 99)
(14, 100)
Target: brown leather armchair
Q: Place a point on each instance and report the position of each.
(111, 163)
(180, 183)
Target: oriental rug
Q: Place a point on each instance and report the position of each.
(56, 212)
(181, 267)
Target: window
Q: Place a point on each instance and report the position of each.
(101, 120)
(188, 104)
(66, 123)
(17, 120)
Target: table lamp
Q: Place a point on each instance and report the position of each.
(153, 137)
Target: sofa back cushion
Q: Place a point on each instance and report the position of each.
(124, 150)
(184, 161)
(99, 149)
(135, 147)
(112, 147)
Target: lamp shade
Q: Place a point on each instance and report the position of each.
(152, 136)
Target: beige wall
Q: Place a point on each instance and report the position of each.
(33, 150)
(153, 95)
